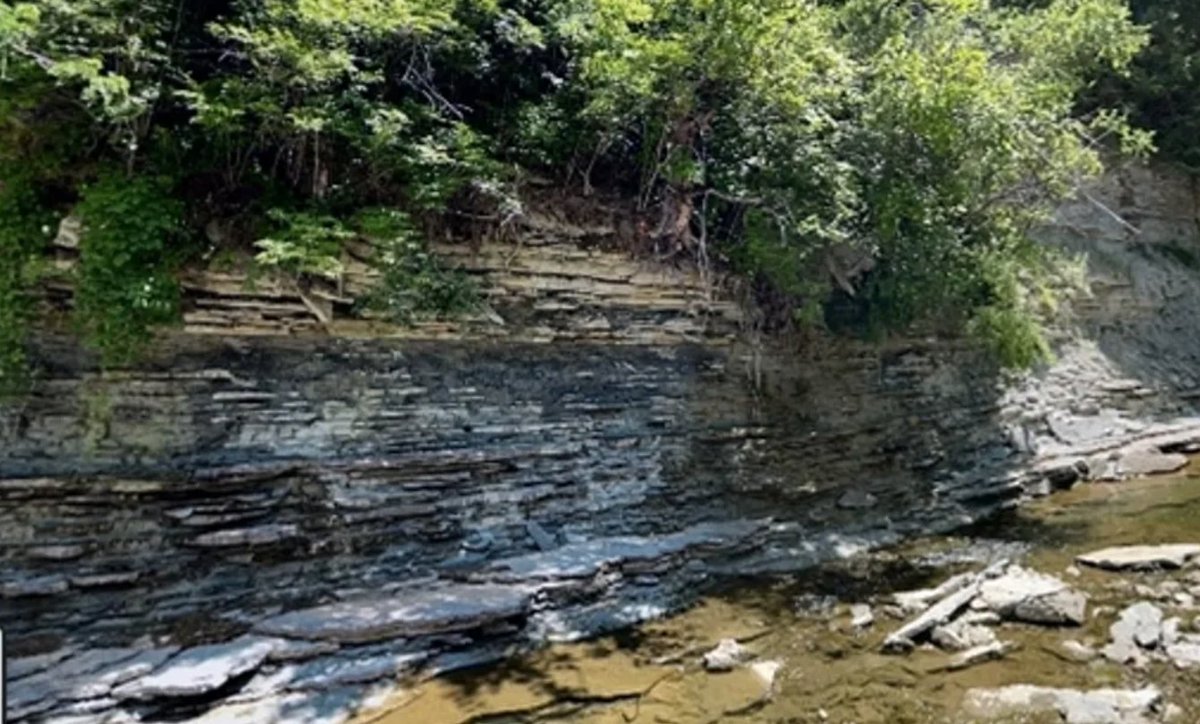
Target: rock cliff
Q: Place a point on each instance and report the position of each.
(284, 502)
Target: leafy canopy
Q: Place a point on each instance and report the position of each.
(882, 156)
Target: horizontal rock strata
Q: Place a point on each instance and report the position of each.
(285, 503)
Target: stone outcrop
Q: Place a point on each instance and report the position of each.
(606, 439)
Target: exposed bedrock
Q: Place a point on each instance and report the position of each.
(263, 511)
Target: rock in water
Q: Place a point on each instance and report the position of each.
(961, 636)
(1149, 461)
(1025, 595)
(766, 671)
(1141, 557)
(861, 616)
(1139, 626)
(200, 670)
(726, 656)
(977, 655)
(939, 613)
(1100, 706)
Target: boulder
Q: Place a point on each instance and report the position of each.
(1141, 557)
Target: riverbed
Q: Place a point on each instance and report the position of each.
(821, 667)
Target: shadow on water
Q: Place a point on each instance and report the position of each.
(652, 672)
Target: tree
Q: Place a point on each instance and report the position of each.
(891, 152)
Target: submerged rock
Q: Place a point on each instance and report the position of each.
(726, 656)
(1078, 652)
(977, 655)
(1141, 557)
(1100, 706)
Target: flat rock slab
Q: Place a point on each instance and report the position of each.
(199, 670)
(580, 560)
(1099, 706)
(941, 612)
(1184, 652)
(86, 677)
(1025, 595)
(1137, 463)
(1139, 626)
(452, 608)
(1141, 558)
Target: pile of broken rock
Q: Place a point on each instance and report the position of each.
(956, 617)
(957, 614)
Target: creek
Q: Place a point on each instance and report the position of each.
(829, 671)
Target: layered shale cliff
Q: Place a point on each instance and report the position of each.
(285, 504)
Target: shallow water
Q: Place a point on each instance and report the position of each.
(829, 672)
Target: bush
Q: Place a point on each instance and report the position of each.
(25, 226)
(130, 248)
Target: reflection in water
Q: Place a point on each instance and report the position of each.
(830, 672)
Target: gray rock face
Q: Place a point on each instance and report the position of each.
(857, 500)
(1142, 557)
(79, 682)
(249, 469)
(198, 671)
(1100, 706)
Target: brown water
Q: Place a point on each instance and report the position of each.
(830, 673)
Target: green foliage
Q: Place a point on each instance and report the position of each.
(129, 251)
(304, 244)
(415, 285)
(1160, 90)
(920, 140)
(24, 229)
(896, 151)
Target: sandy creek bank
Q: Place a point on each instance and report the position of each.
(831, 672)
